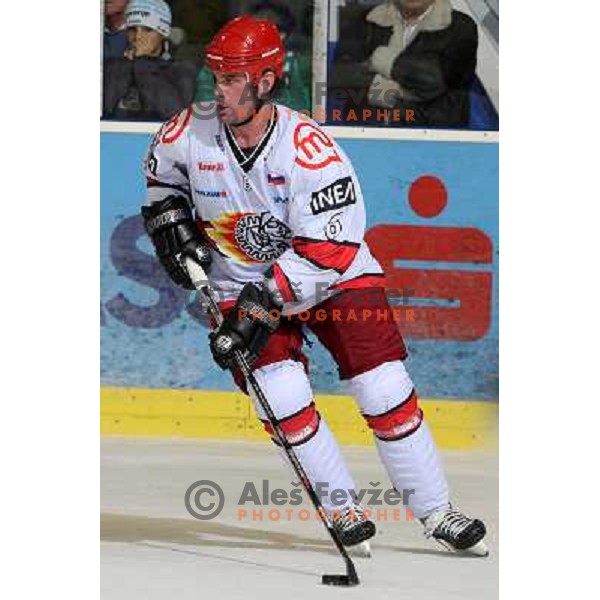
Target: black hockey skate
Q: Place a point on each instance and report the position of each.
(354, 529)
(455, 531)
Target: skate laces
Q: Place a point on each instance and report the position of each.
(348, 517)
(450, 523)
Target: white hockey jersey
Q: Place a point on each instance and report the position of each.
(293, 204)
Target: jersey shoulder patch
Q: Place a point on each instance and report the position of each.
(172, 129)
(314, 149)
(168, 146)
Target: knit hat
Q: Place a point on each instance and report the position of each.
(154, 14)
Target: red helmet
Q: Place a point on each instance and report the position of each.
(247, 45)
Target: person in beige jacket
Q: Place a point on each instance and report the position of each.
(416, 55)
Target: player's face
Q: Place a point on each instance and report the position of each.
(234, 97)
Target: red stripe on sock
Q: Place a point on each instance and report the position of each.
(396, 416)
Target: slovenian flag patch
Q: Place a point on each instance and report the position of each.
(276, 179)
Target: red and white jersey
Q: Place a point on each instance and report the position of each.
(294, 203)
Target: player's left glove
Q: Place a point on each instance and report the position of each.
(247, 327)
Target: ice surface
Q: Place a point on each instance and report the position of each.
(152, 548)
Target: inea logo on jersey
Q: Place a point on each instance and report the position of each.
(210, 165)
(338, 194)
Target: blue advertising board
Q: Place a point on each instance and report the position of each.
(432, 221)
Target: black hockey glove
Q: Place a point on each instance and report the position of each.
(170, 225)
(247, 327)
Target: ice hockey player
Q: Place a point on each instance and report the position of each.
(270, 206)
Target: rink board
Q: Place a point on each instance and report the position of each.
(432, 220)
(230, 415)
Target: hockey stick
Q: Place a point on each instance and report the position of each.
(200, 281)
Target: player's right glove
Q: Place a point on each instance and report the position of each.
(246, 327)
(170, 225)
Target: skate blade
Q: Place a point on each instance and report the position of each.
(362, 550)
(479, 549)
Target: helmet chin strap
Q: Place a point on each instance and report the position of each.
(253, 114)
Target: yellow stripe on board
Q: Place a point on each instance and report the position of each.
(456, 424)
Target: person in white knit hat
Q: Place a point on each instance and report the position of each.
(146, 83)
(148, 28)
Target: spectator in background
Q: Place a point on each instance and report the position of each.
(146, 83)
(294, 89)
(418, 55)
(115, 36)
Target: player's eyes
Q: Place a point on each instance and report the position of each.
(229, 79)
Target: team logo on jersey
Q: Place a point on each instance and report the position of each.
(336, 195)
(211, 165)
(281, 199)
(315, 149)
(250, 237)
(211, 193)
(275, 179)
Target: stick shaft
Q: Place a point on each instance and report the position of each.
(201, 283)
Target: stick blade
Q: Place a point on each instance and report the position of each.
(340, 580)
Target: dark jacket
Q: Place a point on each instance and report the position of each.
(431, 76)
(151, 89)
(115, 43)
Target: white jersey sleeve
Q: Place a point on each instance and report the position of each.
(165, 166)
(327, 220)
